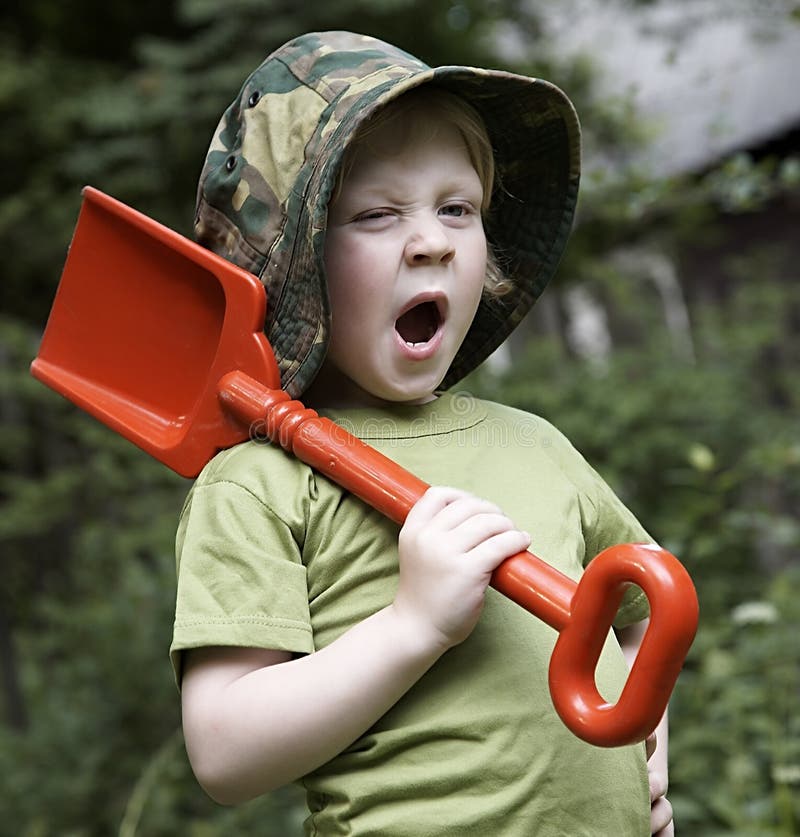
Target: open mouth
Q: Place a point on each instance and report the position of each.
(419, 324)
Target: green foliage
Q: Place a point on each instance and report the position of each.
(742, 681)
(85, 516)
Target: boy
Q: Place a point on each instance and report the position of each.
(402, 233)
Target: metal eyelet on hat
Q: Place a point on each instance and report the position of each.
(230, 163)
(255, 96)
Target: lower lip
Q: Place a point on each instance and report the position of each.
(420, 351)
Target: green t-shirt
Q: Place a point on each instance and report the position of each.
(272, 555)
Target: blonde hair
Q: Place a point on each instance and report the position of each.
(453, 110)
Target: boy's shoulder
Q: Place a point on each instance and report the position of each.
(549, 436)
(543, 438)
(259, 468)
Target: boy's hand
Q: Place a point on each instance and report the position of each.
(661, 823)
(449, 546)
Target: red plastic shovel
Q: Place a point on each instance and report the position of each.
(162, 340)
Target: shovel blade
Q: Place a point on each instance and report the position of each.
(144, 325)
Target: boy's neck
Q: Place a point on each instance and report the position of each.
(334, 391)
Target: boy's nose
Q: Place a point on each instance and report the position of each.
(429, 243)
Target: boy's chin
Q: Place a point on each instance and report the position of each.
(335, 389)
(406, 392)
(363, 396)
(385, 397)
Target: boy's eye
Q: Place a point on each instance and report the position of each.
(372, 215)
(455, 210)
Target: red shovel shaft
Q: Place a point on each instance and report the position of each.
(582, 613)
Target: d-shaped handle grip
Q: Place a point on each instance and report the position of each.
(582, 613)
(673, 622)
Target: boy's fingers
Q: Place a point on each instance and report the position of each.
(490, 553)
(465, 509)
(433, 501)
(650, 745)
(658, 786)
(473, 525)
(661, 818)
(450, 506)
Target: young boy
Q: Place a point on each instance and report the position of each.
(403, 220)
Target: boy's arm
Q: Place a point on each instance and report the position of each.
(255, 719)
(630, 639)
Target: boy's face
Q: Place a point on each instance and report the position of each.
(405, 258)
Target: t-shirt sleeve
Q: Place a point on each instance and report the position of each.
(606, 522)
(241, 580)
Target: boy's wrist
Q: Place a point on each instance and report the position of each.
(415, 636)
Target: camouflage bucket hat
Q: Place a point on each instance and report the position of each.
(274, 159)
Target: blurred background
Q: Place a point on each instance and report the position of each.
(667, 350)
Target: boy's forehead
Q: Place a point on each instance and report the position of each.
(393, 176)
(398, 145)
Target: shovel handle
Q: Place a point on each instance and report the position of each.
(582, 613)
